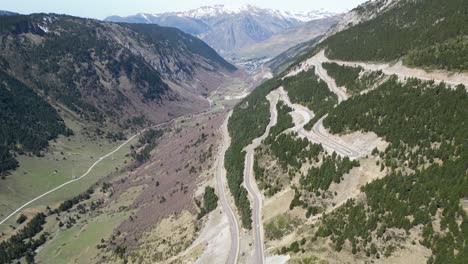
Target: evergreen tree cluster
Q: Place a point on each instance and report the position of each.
(403, 202)
(23, 243)
(292, 151)
(146, 143)
(412, 116)
(210, 202)
(352, 77)
(449, 55)
(68, 204)
(331, 170)
(284, 121)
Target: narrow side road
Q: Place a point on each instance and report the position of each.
(251, 185)
(224, 194)
(71, 181)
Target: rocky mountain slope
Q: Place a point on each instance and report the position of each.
(228, 29)
(114, 75)
(287, 38)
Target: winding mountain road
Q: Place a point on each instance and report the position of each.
(318, 134)
(251, 185)
(322, 73)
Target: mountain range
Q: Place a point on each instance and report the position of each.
(6, 13)
(228, 29)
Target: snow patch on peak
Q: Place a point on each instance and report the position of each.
(44, 28)
(46, 21)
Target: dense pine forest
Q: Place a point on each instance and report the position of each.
(426, 125)
(355, 79)
(449, 55)
(332, 169)
(407, 115)
(28, 122)
(410, 27)
(210, 202)
(67, 59)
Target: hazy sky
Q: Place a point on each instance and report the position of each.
(102, 8)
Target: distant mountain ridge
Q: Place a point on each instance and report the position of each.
(226, 28)
(7, 13)
(218, 10)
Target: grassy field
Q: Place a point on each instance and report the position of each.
(66, 159)
(78, 243)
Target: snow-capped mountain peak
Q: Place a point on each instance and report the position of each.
(219, 10)
(227, 28)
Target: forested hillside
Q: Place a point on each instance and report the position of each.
(431, 32)
(155, 34)
(451, 55)
(426, 126)
(354, 79)
(28, 122)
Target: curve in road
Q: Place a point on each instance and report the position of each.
(320, 71)
(251, 185)
(318, 134)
